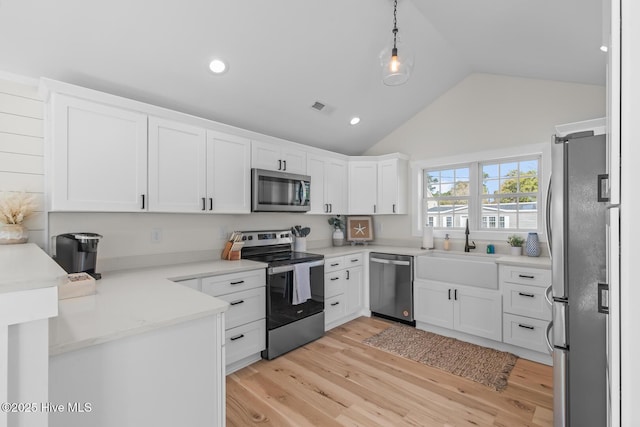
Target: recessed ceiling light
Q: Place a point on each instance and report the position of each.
(355, 121)
(217, 66)
(604, 48)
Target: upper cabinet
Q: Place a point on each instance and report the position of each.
(196, 170)
(378, 186)
(177, 166)
(328, 184)
(363, 183)
(278, 157)
(98, 157)
(228, 173)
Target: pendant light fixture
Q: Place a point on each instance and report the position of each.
(396, 58)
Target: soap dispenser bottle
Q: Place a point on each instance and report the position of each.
(446, 242)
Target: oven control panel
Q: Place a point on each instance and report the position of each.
(266, 238)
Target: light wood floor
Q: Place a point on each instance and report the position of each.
(338, 381)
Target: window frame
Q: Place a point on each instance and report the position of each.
(474, 161)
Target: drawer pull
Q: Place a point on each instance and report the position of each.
(335, 264)
(333, 304)
(525, 276)
(237, 337)
(355, 260)
(524, 294)
(236, 302)
(348, 275)
(237, 283)
(526, 326)
(334, 278)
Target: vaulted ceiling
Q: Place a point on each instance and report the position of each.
(284, 55)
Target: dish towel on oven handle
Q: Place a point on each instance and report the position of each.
(301, 283)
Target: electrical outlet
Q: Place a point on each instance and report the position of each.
(156, 235)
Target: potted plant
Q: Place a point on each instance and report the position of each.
(516, 243)
(14, 209)
(338, 230)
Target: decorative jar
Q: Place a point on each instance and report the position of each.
(516, 250)
(13, 233)
(338, 237)
(533, 245)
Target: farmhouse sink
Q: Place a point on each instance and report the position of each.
(459, 268)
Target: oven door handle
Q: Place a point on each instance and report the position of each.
(290, 267)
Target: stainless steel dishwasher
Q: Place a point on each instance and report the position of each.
(391, 286)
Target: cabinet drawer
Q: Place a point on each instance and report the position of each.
(333, 284)
(245, 340)
(354, 260)
(525, 332)
(333, 264)
(244, 307)
(526, 300)
(227, 283)
(525, 276)
(334, 309)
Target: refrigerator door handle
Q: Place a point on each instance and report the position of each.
(548, 219)
(603, 298)
(546, 336)
(547, 295)
(559, 318)
(560, 386)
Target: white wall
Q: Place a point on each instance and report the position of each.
(21, 147)
(185, 237)
(486, 112)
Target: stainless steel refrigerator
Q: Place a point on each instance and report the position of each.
(576, 221)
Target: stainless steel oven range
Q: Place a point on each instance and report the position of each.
(295, 290)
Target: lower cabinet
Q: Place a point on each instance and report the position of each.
(343, 289)
(245, 320)
(461, 308)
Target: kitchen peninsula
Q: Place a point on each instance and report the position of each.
(143, 350)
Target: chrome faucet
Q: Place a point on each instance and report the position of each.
(467, 246)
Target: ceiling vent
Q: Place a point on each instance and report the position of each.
(318, 106)
(323, 108)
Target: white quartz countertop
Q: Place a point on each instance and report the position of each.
(26, 267)
(130, 302)
(524, 261)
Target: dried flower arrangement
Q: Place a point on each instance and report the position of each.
(16, 207)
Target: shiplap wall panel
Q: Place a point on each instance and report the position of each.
(21, 144)
(20, 125)
(22, 149)
(20, 106)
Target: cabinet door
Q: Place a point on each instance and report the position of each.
(295, 160)
(478, 312)
(228, 173)
(336, 177)
(388, 186)
(316, 170)
(177, 162)
(363, 183)
(265, 156)
(353, 290)
(99, 157)
(433, 303)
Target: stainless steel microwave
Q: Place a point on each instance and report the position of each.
(273, 191)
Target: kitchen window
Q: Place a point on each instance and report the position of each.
(493, 195)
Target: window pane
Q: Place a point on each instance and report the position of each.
(491, 186)
(528, 166)
(489, 171)
(528, 213)
(509, 170)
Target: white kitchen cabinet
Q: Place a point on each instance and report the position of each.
(392, 186)
(344, 286)
(177, 166)
(245, 327)
(328, 184)
(277, 157)
(228, 173)
(363, 183)
(526, 310)
(461, 308)
(98, 157)
(378, 186)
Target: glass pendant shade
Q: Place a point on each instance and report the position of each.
(397, 63)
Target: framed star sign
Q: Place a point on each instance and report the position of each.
(359, 228)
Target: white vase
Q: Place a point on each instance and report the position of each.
(338, 237)
(300, 244)
(516, 250)
(13, 233)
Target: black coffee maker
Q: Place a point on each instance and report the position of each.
(77, 252)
